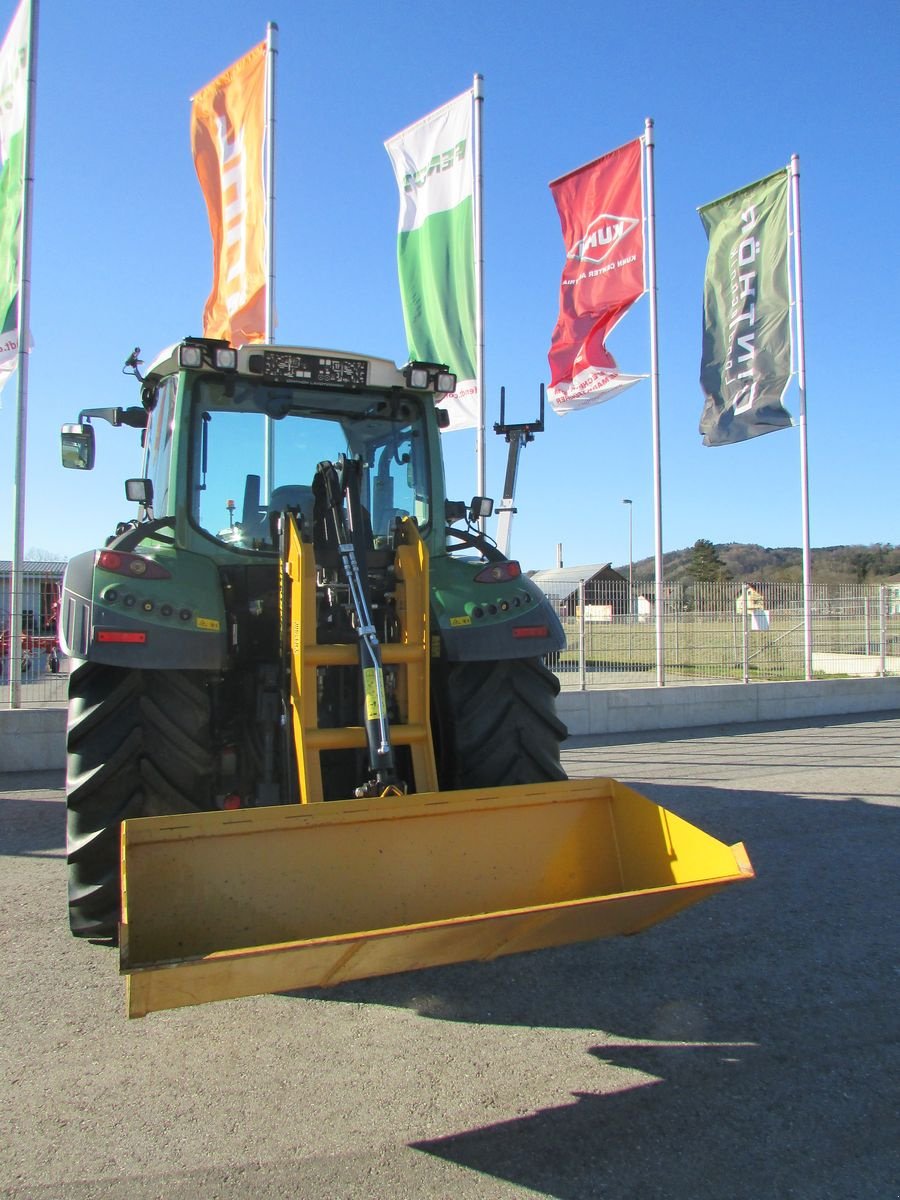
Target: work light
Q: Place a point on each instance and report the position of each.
(416, 376)
(190, 356)
(429, 375)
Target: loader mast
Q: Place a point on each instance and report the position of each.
(326, 738)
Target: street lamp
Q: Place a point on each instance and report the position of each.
(630, 558)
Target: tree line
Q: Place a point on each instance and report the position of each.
(707, 561)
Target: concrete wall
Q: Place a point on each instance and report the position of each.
(632, 710)
(33, 739)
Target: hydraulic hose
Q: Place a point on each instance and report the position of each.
(341, 490)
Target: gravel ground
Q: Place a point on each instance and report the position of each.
(747, 1048)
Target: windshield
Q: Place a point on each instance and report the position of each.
(228, 456)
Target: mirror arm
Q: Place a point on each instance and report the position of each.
(135, 417)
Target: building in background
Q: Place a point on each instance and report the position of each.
(604, 589)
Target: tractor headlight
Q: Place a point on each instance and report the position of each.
(225, 358)
(445, 382)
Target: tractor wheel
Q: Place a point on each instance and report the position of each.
(495, 723)
(138, 745)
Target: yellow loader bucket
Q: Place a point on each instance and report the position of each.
(224, 904)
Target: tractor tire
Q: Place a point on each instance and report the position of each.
(138, 745)
(495, 723)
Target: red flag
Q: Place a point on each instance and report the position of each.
(601, 213)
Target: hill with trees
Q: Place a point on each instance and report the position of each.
(747, 562)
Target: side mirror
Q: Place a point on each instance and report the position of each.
(140, 491)
(77, 445)
(481, 506)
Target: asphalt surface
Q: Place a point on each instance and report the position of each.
(748, 1048)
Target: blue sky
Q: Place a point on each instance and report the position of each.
(122, 254)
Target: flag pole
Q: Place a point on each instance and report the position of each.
(801, 380)
(269, 333)
(271, 59)
(24, 315)
(478, 218)
(654, 404)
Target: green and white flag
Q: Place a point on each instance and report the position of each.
(433, 165)
(746, 361)
(13, 102)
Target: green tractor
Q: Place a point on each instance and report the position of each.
(179, 629)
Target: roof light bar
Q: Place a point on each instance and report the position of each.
(429, 376)
(207, 352)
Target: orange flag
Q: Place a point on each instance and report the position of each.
(227, 140)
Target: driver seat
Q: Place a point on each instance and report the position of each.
(296, 496)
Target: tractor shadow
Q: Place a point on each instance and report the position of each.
(764, 1020)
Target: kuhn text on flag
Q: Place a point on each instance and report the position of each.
(601, 214)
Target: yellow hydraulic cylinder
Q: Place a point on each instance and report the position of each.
(225, 904)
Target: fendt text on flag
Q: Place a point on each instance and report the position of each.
(13, 102)
(600, 210)
(434, 168)
(228, 144)
(746, 359)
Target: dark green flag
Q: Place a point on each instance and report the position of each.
(746, 364)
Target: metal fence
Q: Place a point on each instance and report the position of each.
(712, 632)
(740, 632)
(44, 674)
(35, 653)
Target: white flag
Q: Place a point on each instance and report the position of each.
(433, 165)
(13, 104)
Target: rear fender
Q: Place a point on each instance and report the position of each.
(174, 622)
(480, 618)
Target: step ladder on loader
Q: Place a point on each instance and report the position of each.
(223, 904)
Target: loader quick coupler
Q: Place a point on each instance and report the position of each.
(337, 493)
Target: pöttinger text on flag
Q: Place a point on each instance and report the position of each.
(433, 166)
(601, 213)
(13, 104)
(746, 360)
(227, 139)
